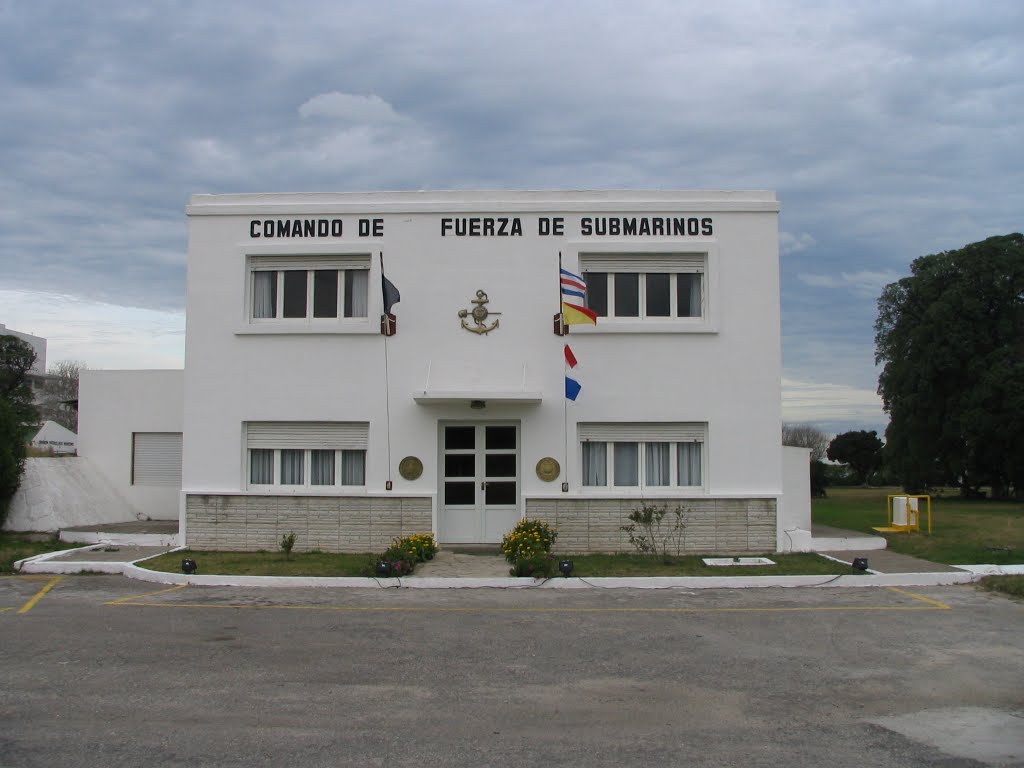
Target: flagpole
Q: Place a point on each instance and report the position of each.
(387, 385)
(565, 373)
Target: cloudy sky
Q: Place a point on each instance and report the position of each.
(889, 131)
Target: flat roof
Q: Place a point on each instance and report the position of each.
(479, 201)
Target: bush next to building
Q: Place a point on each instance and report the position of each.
(17, 415)
(528, 548)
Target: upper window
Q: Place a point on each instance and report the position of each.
(298, 455)
(308, 288)
(644, 456)
(646, 285)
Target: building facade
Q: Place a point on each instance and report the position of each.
(300, 415)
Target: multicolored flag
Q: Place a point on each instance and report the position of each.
(572, 285)
(574, 293)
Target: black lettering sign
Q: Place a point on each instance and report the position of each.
(482, 226)
(296, 228)
(553, 226)
(371, 227)
(657, 226)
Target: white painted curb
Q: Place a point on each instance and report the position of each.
(967, 574)
(652, 582)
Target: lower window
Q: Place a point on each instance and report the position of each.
(313, 455)
(642, 455)
(641, 465)
(307, 467)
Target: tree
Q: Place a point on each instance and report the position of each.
(860, 450)
(951, 338)
(61, 393)
(17, 414)
(806, 436)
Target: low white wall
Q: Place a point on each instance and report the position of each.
(112, 406)
(794, 520)
(60, 493)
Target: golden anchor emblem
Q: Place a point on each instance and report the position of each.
(479, 313)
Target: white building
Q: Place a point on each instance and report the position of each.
(298, 415)
(56, 438)
(38, 344)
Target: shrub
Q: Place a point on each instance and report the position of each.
(540, 566)
(421, 545)
(405, 552)
(652, 534)
(287, 542)
(527, 548)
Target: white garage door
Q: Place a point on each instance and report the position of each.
(156, 458)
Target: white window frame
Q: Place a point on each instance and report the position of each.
(260, 260)
(340, 437)
(646, 258)
(641, 434)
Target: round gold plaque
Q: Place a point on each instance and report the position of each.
(410, 468)
(547, 469)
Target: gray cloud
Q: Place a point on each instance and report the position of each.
(889, 131)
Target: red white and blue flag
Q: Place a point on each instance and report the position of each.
(573, 285)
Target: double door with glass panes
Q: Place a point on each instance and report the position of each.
(479, 499)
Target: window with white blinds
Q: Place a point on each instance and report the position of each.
(314, 289)
(640, 455)
(296, 455)
(156, 458)
(656, 286)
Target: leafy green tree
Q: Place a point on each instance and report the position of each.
(860, 450)
(17, 414)
(12, 455)
(951, 340)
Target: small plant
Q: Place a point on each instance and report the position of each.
(287, 542)
(656, 530)
(528, 546)
(539, 566)
(401, 560)
(421, 545)
(405, 552)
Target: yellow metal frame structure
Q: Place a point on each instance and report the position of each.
(911, 526)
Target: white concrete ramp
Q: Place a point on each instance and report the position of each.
(60, 493)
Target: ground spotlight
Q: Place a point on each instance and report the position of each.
(860, 564)
(565, 567)
(189, 566)
(383, 568)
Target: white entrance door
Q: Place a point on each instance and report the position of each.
(479, 482)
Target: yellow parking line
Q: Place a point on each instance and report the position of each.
(415, 609)
(121, 600)
(936, 603)
(39, 595)
(5, 609)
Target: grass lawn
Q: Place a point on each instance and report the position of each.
(691, 565)
(325, 564)
(1009, 585)
(14, 547)
(963, 531)
(266, 563)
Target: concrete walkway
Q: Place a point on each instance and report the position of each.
(459, 565)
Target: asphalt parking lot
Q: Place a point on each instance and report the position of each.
(102, 670)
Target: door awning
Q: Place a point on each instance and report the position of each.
(476, 395)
